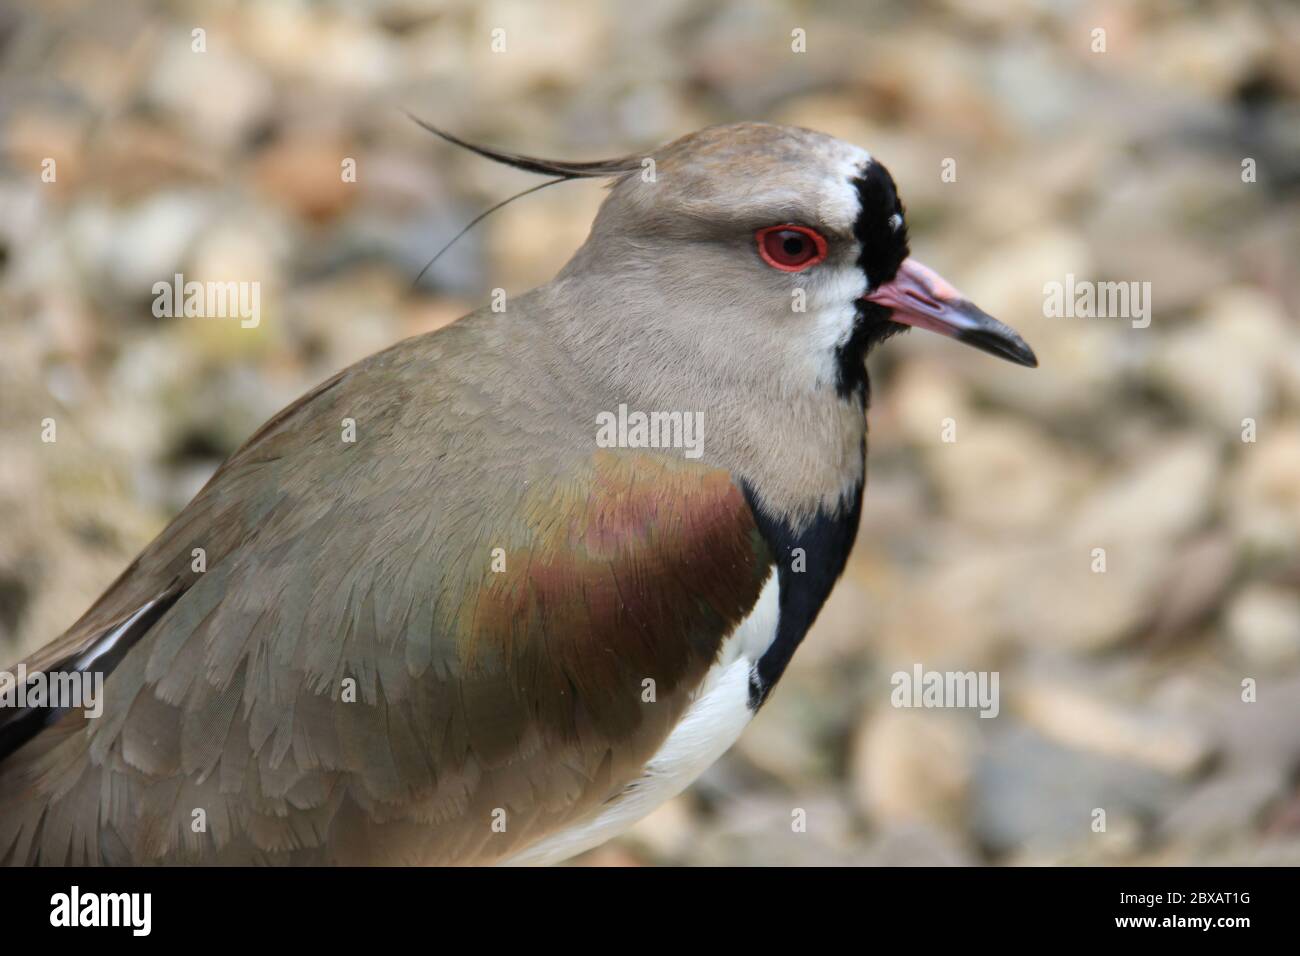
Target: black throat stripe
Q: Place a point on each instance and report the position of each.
(881, 232)
(804, 580)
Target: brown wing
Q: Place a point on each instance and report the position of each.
(491, 706)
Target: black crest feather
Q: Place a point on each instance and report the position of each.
(560, 169)
(532, 164)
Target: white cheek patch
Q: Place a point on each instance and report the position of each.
(833, 297)
(832, 291)
(833, 301)
(832, 307)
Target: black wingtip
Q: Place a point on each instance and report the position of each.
(20, 724)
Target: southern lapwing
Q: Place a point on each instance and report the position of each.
(565, 554)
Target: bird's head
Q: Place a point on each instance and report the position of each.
(764, 251)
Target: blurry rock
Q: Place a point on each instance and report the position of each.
(718, 47)
(1182, 272)
(146, 154)
(949, 613)
(217, 95)
(1069, 168)
(1079, 358)
(1001, 475)
(608, 854)
(1263, 622)
(1287, 367)
(1248, 850)
(729, 780)
(1283, 820)
(406, 242)
(552, 45)
(249, 247)
(787, 743)
(149, 372)
(213, 416)
(1166, 493)
(1219, 367)
(1089, 722)
(1052, 596)
(1223, 807)
(530, 242)
(1042, 91)
(24, 213)
(1194, 583)
(131, 248)
(1129, 226)
(1210, 54)
(893, 508)
(336, 49)
(304, 173)
(33, 135)
(16, 588)
(912, 766)
(915, 844)
(181, 485)
(420, 316)
(922, 395)
(1264, 490)
(806, 829)
(1264, 732)
(667, 832)
(1008, 281)
(1123, 841)
(349, 316)
(1032, 795)
(843, 630)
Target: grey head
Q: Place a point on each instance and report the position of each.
(770, 256)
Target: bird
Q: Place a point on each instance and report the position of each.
(475, 633)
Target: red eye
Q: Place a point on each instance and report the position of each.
(790, 248)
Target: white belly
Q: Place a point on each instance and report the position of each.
(711, 724)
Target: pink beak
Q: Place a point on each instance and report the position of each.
(921, 297)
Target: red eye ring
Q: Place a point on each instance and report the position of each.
(790, 248)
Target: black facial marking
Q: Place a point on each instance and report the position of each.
(883, 247)
(883, 241)
(825, 544)
(851, 380)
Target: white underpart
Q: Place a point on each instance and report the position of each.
(712, 723)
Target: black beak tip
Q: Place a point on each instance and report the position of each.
(997, 338)
(1025, 356)
(1003, 343)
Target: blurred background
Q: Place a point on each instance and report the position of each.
(1120, 691)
